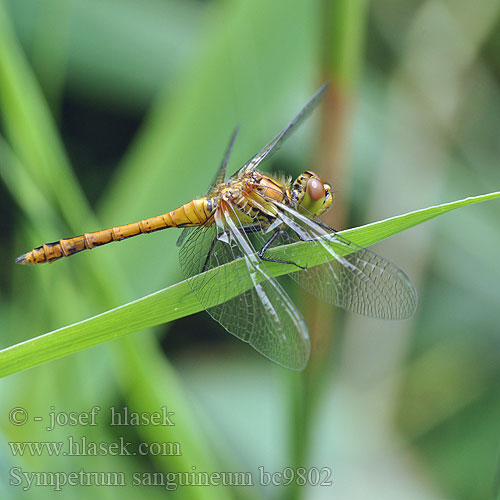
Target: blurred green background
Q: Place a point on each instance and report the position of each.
(117, 110)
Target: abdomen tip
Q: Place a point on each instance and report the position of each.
(22, 259)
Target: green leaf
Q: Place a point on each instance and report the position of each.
(178, 301)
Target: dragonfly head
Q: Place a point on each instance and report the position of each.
(311, 193)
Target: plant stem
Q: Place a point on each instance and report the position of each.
(343, 35)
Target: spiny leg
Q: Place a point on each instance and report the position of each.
(325, 226)
(248, 230)
(339, 237)
(209, 254)
(262, 251)
(268, 243)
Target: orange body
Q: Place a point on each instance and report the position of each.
(193, 213)
(254, 194)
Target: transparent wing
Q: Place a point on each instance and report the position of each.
(183, 235)
(353, 278)
(264, 316)
(221, 173)
(219, 179)
(273, 145)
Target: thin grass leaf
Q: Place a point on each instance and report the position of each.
(31, 130)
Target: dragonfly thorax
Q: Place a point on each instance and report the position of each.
(230, 194)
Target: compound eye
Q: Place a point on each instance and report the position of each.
(316, 189)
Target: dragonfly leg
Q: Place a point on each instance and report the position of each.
(325, 226)
(209, 254)
(248, 230)
(252, 229)
(268, 243)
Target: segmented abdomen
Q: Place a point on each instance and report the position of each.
(193, 213)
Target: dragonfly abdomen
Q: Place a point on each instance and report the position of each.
(193, 213)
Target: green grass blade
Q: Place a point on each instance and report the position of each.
(177, 300)
(31, 130)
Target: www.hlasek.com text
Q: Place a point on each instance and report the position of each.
(79, 447)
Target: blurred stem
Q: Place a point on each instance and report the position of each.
(32, 133)
(37, 149)
(50, 49)
(343, 35)
(344, 28)
(342, 39)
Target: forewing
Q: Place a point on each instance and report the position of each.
(273, 145)
(264, 316)
(361, 282)
(221, 173)
(353, 278)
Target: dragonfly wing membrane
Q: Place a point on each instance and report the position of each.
(275, 143)
(360, 282)
(183, 235)
(221, 173)
(263, 315)
(351, 277)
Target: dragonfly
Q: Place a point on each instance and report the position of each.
(245, 218)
